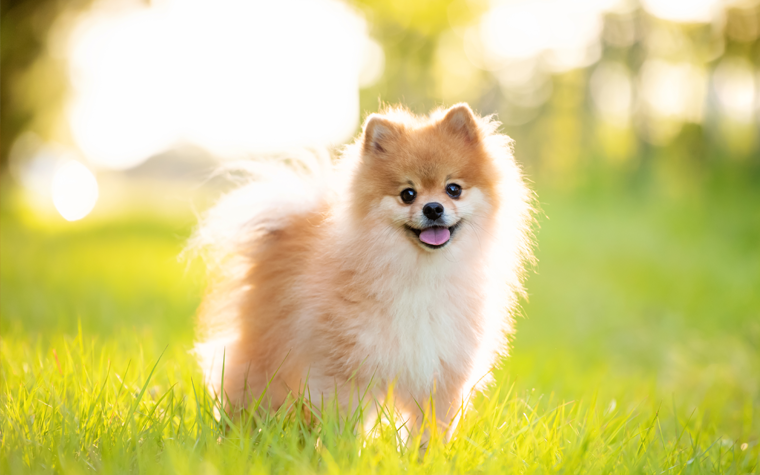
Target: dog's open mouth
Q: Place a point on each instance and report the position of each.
(434, 237)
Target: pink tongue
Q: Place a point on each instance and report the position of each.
(435, 236)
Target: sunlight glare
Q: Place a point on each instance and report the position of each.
(74, 190)
(232, 76)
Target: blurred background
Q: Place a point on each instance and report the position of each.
(636, 121)
(101, 97)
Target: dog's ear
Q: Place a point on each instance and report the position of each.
(460, 121)
(379, 133)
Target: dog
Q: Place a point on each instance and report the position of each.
(398, 267)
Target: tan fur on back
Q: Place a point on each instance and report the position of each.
(317, 284)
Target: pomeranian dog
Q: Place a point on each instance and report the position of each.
(394, 271)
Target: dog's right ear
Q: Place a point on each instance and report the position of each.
(379, 132)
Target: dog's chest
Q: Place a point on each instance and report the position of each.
(426, 331)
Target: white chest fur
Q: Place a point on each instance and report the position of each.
(424, 329)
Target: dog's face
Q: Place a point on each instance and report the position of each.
(433, 183)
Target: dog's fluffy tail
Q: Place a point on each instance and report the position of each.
(271, 193)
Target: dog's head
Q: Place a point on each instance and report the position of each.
(431, 179)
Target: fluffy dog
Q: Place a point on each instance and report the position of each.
(398, 267)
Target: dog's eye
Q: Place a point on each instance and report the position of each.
(453, 190)
(408, 195)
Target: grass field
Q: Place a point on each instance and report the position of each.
(638, 352)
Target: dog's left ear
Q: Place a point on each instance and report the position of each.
(460, 121)
(379, 134)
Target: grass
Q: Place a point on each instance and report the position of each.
(639, 353)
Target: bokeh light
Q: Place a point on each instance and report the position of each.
(612, 92)
(673, 90)
(74, 190)
(670, 94)
(565, 34)
(687, 11)
(735, 88)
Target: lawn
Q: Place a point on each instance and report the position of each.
(637, 352)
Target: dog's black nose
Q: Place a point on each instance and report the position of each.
(433, 210)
